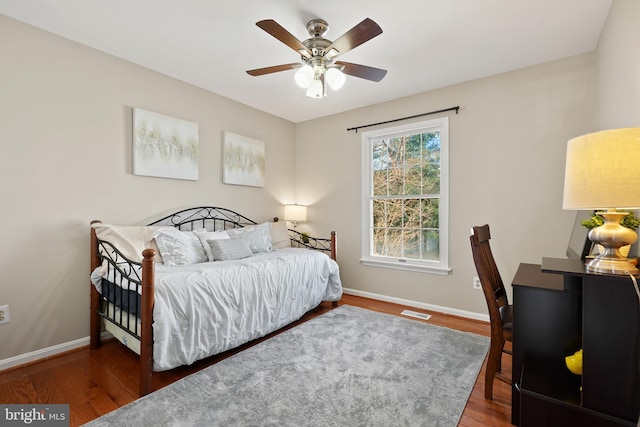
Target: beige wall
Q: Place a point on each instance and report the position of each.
(65, 154)
(619, 67)
(507, 150)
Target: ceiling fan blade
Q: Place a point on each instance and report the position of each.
(278, 31)
(362, 71)
(364, 31)
(273, 69)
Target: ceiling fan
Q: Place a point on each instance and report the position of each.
(319, 55)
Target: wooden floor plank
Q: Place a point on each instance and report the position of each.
(95, 382)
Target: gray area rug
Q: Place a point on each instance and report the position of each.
(347, 367)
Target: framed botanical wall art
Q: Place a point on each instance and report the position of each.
(164, 146)
(243, 160)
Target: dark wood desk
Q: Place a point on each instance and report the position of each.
(558, 309)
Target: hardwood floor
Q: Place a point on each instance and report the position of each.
(99, 381)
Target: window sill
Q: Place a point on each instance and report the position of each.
(407, 266)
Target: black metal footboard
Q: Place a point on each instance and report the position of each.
(121, 299)
(303, 240)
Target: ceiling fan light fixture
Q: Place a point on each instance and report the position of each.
(315, 89)
(318, 55)
(304, 76)
(335, 78)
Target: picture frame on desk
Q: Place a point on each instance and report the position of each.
(579, 246)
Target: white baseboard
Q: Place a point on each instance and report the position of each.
(45, 353)
(410, 303)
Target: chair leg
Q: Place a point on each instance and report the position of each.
(493, 366)
(499, 367)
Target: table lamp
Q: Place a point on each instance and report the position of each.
(602, 173)
(295, 213)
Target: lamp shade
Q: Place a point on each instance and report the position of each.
(304, 76)
(603, 171)
(295, 213)
(335, 78)
(315, 89)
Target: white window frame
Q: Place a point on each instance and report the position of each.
(440, 266)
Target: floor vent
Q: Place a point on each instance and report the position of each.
(416, 314)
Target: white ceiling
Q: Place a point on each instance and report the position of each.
(425, 44)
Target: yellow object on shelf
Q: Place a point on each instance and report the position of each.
(574, 362)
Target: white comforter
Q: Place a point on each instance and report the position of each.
(207, 308)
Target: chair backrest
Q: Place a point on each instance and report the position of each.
(488, 273)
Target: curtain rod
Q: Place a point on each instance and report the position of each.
(405, 118)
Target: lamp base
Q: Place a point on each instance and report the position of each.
(607, 265)
(612, 236)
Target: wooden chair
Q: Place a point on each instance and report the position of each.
(500, 311)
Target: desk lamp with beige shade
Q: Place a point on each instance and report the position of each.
(603, 173)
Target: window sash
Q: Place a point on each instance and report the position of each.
(375, 254)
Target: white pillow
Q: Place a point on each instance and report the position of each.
(258, 236)
(130, 240)
(180, 247)
(280, 235)
(229, 249)
(205, 235)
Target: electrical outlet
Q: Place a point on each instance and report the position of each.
(476, 283)
(4, 314)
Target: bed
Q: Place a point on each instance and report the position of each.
(201, 281)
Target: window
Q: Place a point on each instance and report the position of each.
(405, 197)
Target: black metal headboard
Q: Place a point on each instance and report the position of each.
(209, 217)
(215, 218)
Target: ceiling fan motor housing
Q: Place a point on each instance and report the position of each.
(317, 45)
(317, 27)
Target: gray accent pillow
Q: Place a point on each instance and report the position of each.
(205, 236)
(258, 236)
(229, 249)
